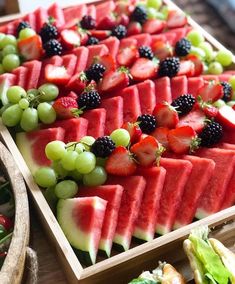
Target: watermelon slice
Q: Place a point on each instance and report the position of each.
(81, 220)
(212, 199)
(113, 195)
(41, 16)
(82, 57)
(209, 77)
(147, 96)
(21, 76)
(179, 86)
(224, 77)
(163, 90)
(196, 185)
(178, 32)
(96, 50)
(147, 218)
(112, 44)
(177, 173)
(34, 70)
(11, 27)
(114, 113)
(194, 84)
(228, 136)
(31, 19)
(104, 9)
(6, 80)
(96, 122)
(70, 63)
(131, 104)
(131, 201)
(32, 146)
(142, 39)
(57, 13)
(127, 42)
(74, 14)
(91, 10)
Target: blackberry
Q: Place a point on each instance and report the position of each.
(227, 91)
(169, 67)
(92, 40)
(103, 147)
(211, 134)
(146, 51)
(139, 14)
(184, 104)
(89, 100)
(119, 31)
(22, 25)
(88, 22)
(95, 72)
(147, 123)
(182, 47)
(53, 47)
(48, 32)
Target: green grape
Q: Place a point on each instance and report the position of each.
(15, 93)
(4, 107)
(2, 35)
(27, 32)
(120, 137)
(66, 189)
(55, 150)
(87, 141)
(85, 162)
(51, 198)
(56, 165)
(8, 39)
(224, 57)
(29, 119)
(152, 13)
(200, 53)
(1, 69)
(231, 103)
(45, 177)
(68, 161)
(75, 175)
(219, 103)
(96, 177)
(160, 16)
(195, 37)
(9, 49)
(215, 68)
(46, 113)
(164, 11)
(10, 62)
(101, 161)
(48, 92)
(156, 4)
(232, 82)
(33, 92)
(208, 49)
(23, 103)
(12, 115)
(75, 146)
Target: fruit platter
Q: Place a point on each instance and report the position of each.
(121, 118)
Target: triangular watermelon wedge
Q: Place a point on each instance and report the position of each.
(34, 71)
(104, 9)
(96, 122)
(57, 13)
(112, 44)
(96, 50)
(147, 96)
(179, 86)
(77, 11)
(163, 90)
(131, 104)
(6, 80)
(21, 73)
(82, 53)
(194, 84)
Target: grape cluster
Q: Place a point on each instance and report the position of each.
(28, 108)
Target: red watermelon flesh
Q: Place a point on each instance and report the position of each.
(11, 27)
(31, 19)
(96, 122)
(32, 145)
(96, 50)
(91, 11)
(146, 222)
(177, 173)
(104, 9)
(228, 136)
(113, 195)
(112, 44)
(163, 90)
(178, 32)
(70, 62)
(210, 77)
(143, 39)
(194, 84)
(224, 77)
(34, 71)
(82, 57)
(57, 13)
(179, 86)
(134, 187)
(41, 16)
(212, 199)
(3, 29)
(127, 42)
(131, 104)
(196, 185)
(147, 96)
(77, 11)
(114, 113)
(6, 80)
(21, 76)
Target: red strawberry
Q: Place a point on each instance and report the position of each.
(107, 22)
(56, 74)
(182, 140)
(160, 133)
(134, 131)
(162, 49)
(120, 162)
(226, 116)
(70, 39)
(107, 61)
(153, 26)
(187, 68)
(77, 83)
(123, 19)
(100, 34)
(198, 66)
(210, 111)
(127, 56)
(166, 115)
(176, 19)
(195, 119)
(115, 80)
(144, 69)
(147, 151)
(134, 28)
(210, 92)
(65, 107)
(31, 48)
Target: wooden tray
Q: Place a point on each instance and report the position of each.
(124, 266)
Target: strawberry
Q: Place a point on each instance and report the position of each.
(124, 7)
(31, 47)
(120, 162)
(176, 19)
(123, 19)
(153, 26)
(134, 131)
(65, 107)
(143, 69)
(162, 49)
(195, 119)
(182, 140)
(166, 115)
(107, 61)
(210, 92)
(115, 80)
(208, 109)
(127, 56)
(56, 74)
(187, 68)
(226, 116)
(77, 83)
(100, 34)
(70, 39)
(147, 151)
(160, 133)
(134, 28)
(198, 66)
(107, 22)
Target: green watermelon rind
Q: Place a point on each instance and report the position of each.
(105, 246)
(122, 242)
(142, 234)
(162, 230)
(201, 213)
